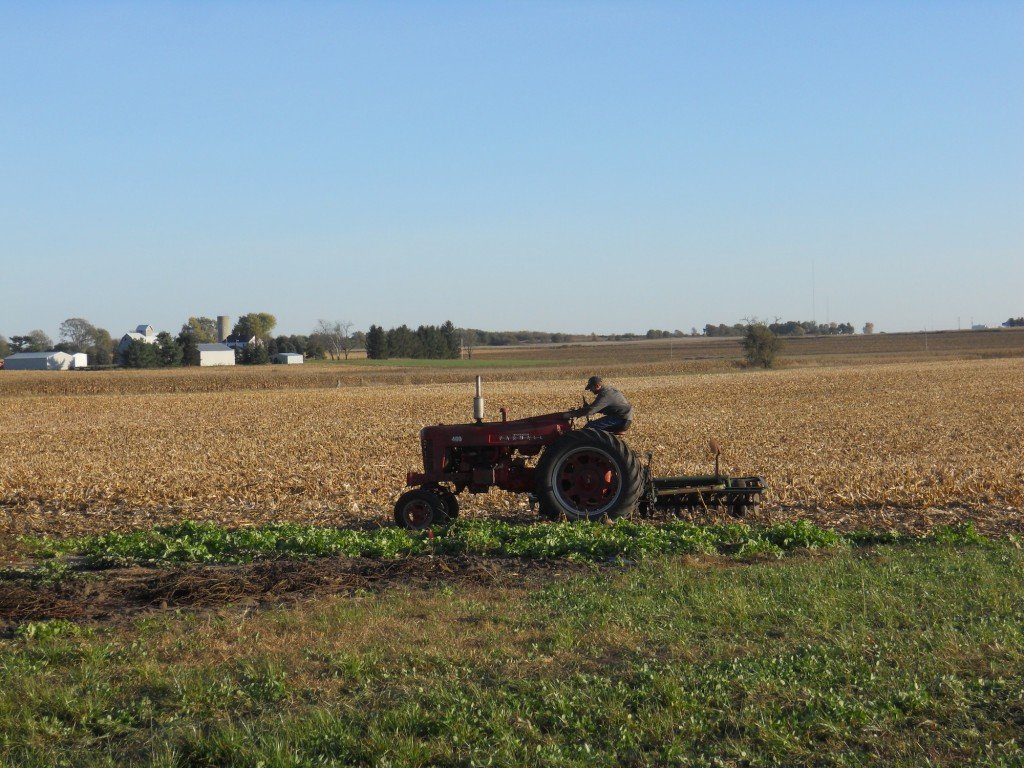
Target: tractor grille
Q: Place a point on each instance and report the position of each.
(428, 455)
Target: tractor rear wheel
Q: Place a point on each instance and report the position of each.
(420, 509)
(587, 475)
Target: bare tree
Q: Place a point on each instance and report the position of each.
(329, 334)
(469, 342)
(343, 328)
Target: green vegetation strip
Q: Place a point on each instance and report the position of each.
(911, 655)
(191, 542)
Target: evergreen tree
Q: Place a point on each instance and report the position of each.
(451, 343)
(255, 354)
(189, 345)
(141, 354)
(168, 349)
(376, 343)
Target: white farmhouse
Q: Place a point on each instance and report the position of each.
(239, 341)
(288, 358)
(39, 361)
(144, 333)
(215, 354)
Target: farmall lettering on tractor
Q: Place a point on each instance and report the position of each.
(582, 474)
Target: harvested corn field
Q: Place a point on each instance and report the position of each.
(907, 436)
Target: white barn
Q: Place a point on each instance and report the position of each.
(215, 354)
(39, 361)
(288, 358)
(81, 360)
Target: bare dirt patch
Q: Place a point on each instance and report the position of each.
(107, 595)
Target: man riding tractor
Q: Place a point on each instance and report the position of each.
(616, 412)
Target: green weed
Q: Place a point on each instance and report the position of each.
(619, 541)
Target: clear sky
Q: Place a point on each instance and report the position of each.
(573, 166)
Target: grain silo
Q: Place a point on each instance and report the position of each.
(223, 327)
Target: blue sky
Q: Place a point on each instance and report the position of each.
(579, 166)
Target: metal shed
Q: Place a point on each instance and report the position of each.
(215, 354)
(39, 361)
(288, 358)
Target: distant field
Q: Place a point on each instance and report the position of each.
(664, 357)
(1006, 342)
(478, 362)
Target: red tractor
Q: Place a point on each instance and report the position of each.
(582, 474)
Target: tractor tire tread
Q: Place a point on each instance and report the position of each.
(591, 438)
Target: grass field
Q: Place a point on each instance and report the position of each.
(894, 655)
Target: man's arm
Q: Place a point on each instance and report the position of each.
(595, 407)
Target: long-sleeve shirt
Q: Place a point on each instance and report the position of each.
(610, 402)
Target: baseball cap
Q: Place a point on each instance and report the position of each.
(592, 382)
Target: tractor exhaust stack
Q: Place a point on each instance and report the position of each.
(478, 404)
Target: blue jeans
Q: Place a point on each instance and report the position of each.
(610, 424)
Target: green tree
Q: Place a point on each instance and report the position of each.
(141, 354)
(20, 344)
(169, 350)
(258, 324)
(376, 343)
(101, 351)
(761, 345)
(401, 342)
(451, 341)
(203, 330)
(36, 341)
(254, 354)
(78, 333)
(189, 345)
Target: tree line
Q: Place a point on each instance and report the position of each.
(336, 339)
(789, 328)
(76, 335)
(327, 340)
(426, 342)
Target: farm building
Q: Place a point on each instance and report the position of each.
(144, 333)
(288, 358)
(40, 361)
(238, 341)
(81, 360)
(215, 354)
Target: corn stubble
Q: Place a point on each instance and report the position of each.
(904, 436)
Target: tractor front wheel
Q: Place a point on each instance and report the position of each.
(451, 503)
(588, 475)
(420, 509)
